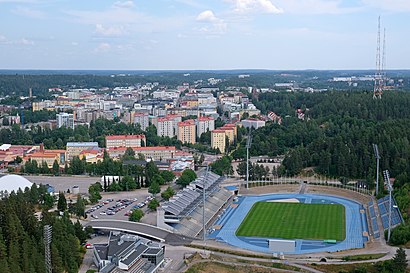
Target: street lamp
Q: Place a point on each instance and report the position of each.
(377, 156)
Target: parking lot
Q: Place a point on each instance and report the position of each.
(118, 206)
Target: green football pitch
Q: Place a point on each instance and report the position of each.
(294, 221)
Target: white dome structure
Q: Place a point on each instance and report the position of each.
(13, 182)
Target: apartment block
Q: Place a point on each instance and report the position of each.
(218, 140)
(205, 124)
(142, 119)
(65, 120)
(186, 131)
(75, 148)
(125, 141)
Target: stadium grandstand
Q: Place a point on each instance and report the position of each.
(183, 213)
(396, 217)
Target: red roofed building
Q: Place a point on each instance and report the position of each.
(131, 141)
(205, 124)
(157, 153)
(186, 131)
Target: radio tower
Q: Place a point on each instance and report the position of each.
(378, 77)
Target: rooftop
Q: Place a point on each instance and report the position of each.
(82, 144)
(117, 137)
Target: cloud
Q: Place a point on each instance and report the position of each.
(124, 5)
(27, 12)
(218, 25)
(389, 5)
(102, 48)
(74, 43)
(254, 6)
(3, 40)
(25, 41)
(113, 31)
(313, 7)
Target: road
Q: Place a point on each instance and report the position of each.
(63, 183)
(141, 229)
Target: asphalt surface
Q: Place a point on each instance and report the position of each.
(63, 183)
(141, 229)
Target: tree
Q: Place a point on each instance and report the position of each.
(18, 160)
(168, 193)
(62, 202)
(168, 176)
(56, 168)
(94, 192)
(129, 154)
(79, 208)
(48, 201)
(241, 169)
(136, 215)
(222, 166)
(153, 204)
(154, 188)
(150, 170)
(157, 178)
(399, 261)
(187, 177)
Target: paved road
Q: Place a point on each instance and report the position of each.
(62, 183)
(141, 229)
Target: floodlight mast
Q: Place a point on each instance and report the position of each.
(248, 145)
(48, 233)
(377, 156)
(386, 175)
(203, 207)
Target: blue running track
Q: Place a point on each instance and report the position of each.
(233, 217)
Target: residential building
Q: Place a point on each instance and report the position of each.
(230, 133)
(205, 124)
(65, 120)
(157, 153)
(253, 123)
(218, 140)
(128, 253)
(186, 131)
(125, 141)
(142, 119)
(75, 148)
(165, 127)
(154, 153)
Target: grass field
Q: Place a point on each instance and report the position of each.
(294, 221)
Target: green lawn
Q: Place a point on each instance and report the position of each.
(294, 221)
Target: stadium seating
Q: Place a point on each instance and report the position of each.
(396, 217)
(187, 205)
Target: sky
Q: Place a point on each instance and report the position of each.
(202, 34)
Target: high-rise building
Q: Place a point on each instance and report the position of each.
(218, 140)
(165, 127)
(125, 141)
(186, 131)
(142, 119)
(65, 120)
(205, 124)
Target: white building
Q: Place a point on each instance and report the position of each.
(65, 120)
(142, 119)
(253, 123)
(204, 124)
(165, 127)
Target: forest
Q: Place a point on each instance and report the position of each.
(21, 234)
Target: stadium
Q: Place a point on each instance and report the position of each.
(293, 224)
(289, 217)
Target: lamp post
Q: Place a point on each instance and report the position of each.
(377, 156)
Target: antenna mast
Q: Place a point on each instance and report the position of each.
(378, 78)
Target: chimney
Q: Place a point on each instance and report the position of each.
(42, 147)
(30, 92)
